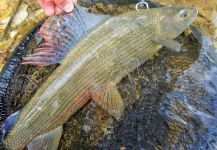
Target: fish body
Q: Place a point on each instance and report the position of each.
(92, 69)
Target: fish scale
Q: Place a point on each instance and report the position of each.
(92, 69)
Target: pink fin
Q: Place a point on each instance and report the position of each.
(61, 34)
(109, 99)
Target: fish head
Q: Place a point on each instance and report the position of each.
(174, 20)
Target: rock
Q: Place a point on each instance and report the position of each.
(190, 109)
(13, 33)
(86, 128)
(21, 15)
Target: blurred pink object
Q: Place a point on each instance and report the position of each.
(56, 7)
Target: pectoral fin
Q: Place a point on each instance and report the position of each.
(197, 34)
(48, 141)
(110, 100)
(171, 44)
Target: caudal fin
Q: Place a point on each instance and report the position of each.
(9, 123)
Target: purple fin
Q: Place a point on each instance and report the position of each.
(9, 123)
(61, 34)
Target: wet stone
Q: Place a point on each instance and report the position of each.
(190, 109)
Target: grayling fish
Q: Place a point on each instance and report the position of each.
(100, 50)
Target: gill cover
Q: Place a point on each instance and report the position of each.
(174, 20)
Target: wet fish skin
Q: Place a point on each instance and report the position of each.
(97, 63)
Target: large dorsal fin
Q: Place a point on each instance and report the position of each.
(60, 34)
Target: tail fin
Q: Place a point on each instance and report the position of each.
(61, 34)
(3, 115)
(9, 123)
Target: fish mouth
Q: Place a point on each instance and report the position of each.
(194, 14)
(194, 11)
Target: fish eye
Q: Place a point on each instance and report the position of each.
(183, 13)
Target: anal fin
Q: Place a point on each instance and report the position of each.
(47, 141)
(110, 100)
